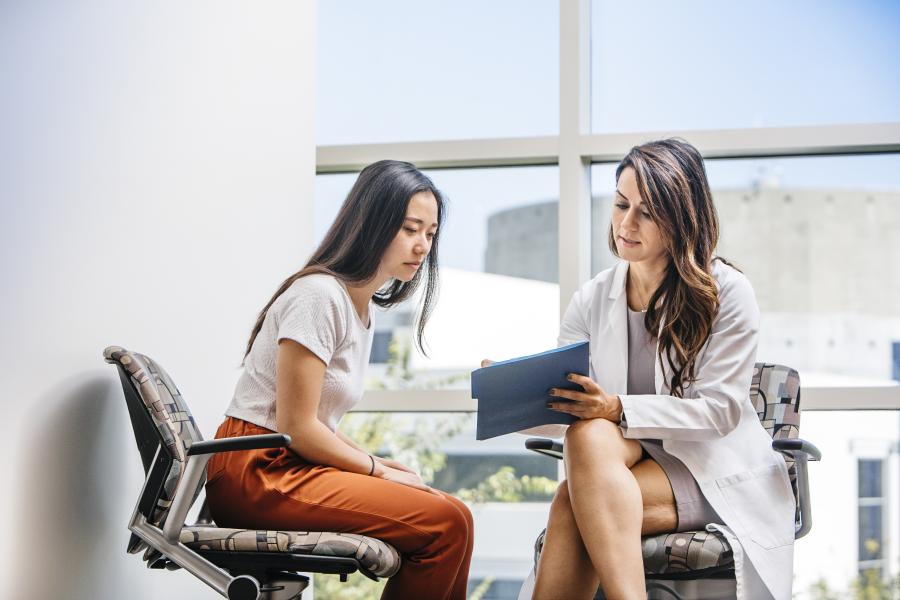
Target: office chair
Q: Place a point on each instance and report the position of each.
(240, 564)
(775, 393)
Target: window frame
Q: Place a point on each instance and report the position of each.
(574, 149)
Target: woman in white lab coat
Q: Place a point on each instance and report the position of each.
(667, 438)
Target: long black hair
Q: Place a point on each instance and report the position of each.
(365, 226)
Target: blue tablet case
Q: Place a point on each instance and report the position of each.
(512, 394)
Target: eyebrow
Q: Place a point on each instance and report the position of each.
(418, 221)
(625, 197)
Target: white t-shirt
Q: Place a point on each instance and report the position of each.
(315, 311)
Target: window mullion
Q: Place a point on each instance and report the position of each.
(574, 170)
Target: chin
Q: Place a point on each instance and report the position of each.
(629, 254)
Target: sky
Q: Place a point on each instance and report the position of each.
(410, 70)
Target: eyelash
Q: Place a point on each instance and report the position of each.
(623, 206)
(414, 231)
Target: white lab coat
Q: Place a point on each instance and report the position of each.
(713, 430)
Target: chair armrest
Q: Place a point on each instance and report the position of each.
(793, 446)
(801, 452)
(545, 446)
(247, 442)
(200, 454)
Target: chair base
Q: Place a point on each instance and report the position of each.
(273, 586)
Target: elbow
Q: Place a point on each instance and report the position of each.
(727, 417)
(300, 430)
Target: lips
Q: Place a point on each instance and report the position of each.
(627, 241)
(413, 264)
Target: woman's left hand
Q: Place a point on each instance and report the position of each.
(592, 403)
(395, 465)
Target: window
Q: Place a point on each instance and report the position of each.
(663, 66)
(740, 81)
(870, 486)
(409, 70)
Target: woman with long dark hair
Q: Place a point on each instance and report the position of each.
(304, 368)
(667, 439)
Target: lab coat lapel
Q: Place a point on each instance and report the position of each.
(611, 367)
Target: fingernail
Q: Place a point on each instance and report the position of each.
(569, 377)
(552, 391)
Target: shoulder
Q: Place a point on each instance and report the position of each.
(317, 285)
(736, 293)
(730, 281)
(602, 283)
(319, 292)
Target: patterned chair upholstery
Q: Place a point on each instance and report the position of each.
(775, 394)
(165, 432)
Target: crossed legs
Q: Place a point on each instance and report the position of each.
(610, 499)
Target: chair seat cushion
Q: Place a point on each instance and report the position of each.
(675, 553)
(686, 551)
(379, 558)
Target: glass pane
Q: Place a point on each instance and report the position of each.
(871, 543)
(507, 488)
(661, 66)
(870, 478)
(817, 238)
(499, 295)
(410, 70)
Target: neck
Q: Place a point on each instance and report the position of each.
(361, 295)
(643, 279)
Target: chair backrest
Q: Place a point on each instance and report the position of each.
(164, 429)
(775, 394)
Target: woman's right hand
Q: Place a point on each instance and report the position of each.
(406, 478)
(486, 362)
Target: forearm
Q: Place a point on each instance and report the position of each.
(317, 444)
(384, 461)
(659, 416)
(349, 441)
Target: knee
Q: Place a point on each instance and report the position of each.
(464, 510)
(562, 500)
(600, 437)
(452, 521)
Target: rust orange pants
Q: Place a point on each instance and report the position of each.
(276, 489)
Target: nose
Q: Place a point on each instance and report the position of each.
(423, 245)
(630, 220)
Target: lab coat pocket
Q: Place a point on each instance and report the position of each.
(761, 503)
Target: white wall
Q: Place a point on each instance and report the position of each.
(157, 164)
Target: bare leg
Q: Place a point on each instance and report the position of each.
(660, 514)
(607, 504)
(565, 570)
(565, 563)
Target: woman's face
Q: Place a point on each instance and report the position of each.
(412, 243)
(637, 237)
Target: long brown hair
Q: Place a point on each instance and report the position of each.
(672, 181)
(365, 226)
